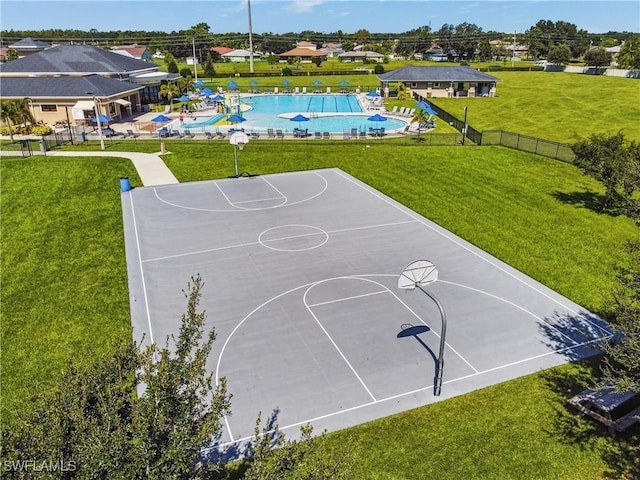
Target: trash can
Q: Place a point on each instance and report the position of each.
(125, 186)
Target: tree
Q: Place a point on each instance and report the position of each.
(421, 118)
(209, 69)
(616, 164)
(15, 112)
(170, 91)
(98, 423)
(403, 91)
(597, 57)
(559, 54)
(622, 361)
(629, 56)
(12, 54)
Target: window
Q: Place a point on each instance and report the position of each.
(414, 85)
(436, 85)
(48, 108)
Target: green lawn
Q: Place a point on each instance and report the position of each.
(65, 286)
(562, 107)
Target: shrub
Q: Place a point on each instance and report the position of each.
(41, 130)
(185, 72)
(286, 71)
(378, 69)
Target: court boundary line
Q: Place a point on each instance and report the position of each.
(240, 209)
(140, 266)
(420, 219)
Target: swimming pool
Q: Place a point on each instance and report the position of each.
(326, 113)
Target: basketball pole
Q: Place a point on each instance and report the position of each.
(437, 380)
(235, 158)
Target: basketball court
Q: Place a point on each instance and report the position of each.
(301, 283)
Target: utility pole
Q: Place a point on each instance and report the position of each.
(250, 38)
(195, 62)
(513, 50)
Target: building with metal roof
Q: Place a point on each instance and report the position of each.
(437, 81)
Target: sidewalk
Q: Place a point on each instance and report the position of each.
(150, 167)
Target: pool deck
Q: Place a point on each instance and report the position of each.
(142, 124)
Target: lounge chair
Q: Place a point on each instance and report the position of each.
(411, 112)
(220, 135)
(394, 110)
(346, 134)
(254, 135)
(131, 133)
(209, 136)
(326, 136)
(318, 135)
(279, 133)
(354, 133)
(270, 133)
(363, 134)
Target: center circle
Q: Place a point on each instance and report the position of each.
(293, 238)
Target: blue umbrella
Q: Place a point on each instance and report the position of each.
(235, 118)
(206, 92)
(198, 84)
(286, 82)
(103, 119)
(217, 98)
(253, 83)
(426, 107)
(377, 118)
(161, 119)
(183, 98)
(373, 94)
(317, 82)
(343, 82)
(299, 118)
(232, 84)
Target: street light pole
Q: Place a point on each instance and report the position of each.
(97, 110)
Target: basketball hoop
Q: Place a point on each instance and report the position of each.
(239, 140)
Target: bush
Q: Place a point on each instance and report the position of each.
(378, 69)
(186, 72)
(286, 71)
(41, 130)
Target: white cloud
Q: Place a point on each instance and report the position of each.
(303, 6)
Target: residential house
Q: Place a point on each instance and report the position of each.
(134, 51)
(239, 56)
(305, 44)
(359, 56)
(332, 50)
(304, 54)
(437, 81)
(28, 46)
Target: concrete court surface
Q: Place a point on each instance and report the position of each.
(301, 285)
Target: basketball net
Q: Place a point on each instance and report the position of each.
(240, 145)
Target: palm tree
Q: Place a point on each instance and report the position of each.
(169, 90)
(15, 112)
(23, 112)
(421, 118)
(9, 114)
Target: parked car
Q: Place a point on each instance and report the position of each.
(617, 410)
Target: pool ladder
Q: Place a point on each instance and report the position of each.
(313, 114)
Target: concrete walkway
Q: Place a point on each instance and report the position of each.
(150, 167)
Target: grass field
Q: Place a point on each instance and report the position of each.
(65, 287)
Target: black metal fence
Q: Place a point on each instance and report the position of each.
(525, 143)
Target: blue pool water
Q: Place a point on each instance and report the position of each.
(326, 113)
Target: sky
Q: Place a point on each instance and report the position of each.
(282, 16)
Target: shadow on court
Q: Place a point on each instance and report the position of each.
(575, 335)
(408, 330)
